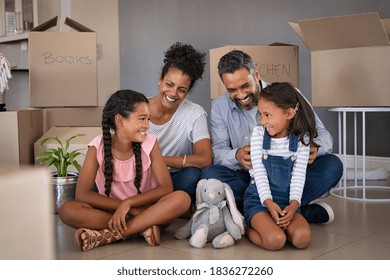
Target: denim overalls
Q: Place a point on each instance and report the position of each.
(279, 171)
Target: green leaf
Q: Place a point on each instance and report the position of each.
(43, 142)
(73, 155)
(77, 165)
(59, 141)
(56, 165)
(44, 154)
(60, 157)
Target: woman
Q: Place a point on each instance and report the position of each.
(179, 124)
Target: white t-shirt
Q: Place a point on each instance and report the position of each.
(187, 126)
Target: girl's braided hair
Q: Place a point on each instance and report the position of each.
(122, 102)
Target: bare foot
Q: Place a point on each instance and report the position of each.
(88, 239)
(152, 235)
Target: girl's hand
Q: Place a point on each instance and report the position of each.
(289, 212)
(274, 209)
(118, 220)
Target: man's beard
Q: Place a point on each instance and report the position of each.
(254, 96)
(246, 107)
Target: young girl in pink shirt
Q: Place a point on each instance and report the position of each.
(135, 191)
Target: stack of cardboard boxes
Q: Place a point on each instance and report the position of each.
(63, 92)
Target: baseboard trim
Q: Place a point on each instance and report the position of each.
(371, 162)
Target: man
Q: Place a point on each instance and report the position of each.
(232, 119)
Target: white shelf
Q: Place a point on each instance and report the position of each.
(14, 37)
(358, 191)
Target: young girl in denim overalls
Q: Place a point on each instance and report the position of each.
(280, 149)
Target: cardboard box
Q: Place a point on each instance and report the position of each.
(350, 59)
(62, 66)
(75, 116)
(277, 62)
(20, 130)
(26, 208)
(64, 133)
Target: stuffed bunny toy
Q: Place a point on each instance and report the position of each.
(216, 219)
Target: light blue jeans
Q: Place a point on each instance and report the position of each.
(321, 176)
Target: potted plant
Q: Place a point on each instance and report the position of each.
(63, 181)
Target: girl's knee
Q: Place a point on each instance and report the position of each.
(182, 199)
(69, 212)
(66, 212)
(66, 209)
(301, 238)
(275, 242)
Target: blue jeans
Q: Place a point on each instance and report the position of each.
(186, 180)
(321, 176)
(238, 180)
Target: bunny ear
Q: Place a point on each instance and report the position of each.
(199, 189)
(236, 215)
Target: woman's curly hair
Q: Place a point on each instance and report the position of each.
(185, 58)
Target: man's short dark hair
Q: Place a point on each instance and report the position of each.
(233, 61)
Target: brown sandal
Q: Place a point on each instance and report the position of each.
(88, 239)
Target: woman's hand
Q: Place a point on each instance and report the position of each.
(118, 220)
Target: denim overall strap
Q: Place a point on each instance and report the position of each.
(293, 146)
(266, 140)
(293, 142)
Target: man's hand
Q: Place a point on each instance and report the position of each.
(243, 156)
(313, 154)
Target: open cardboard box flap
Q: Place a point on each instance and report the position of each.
(68, 21)
(339, 32)
(350, 59)
(386, 25)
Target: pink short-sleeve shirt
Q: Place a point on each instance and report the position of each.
(122, 185)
